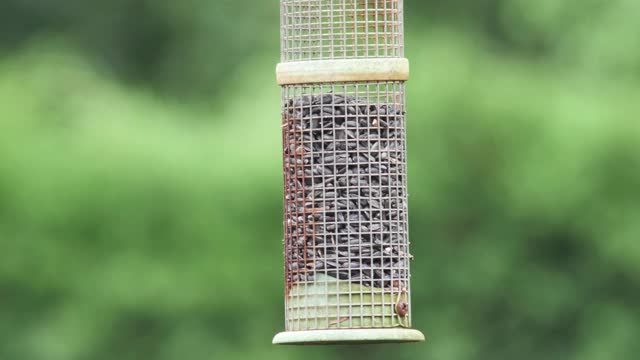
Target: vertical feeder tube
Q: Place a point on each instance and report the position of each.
(346, 245)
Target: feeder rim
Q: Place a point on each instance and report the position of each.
(342, 70)
(348, 336)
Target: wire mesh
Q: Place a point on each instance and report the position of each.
(346, 231)
(341, 29)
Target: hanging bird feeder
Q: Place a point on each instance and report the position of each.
(346, 244)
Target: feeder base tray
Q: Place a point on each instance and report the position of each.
(348, 336)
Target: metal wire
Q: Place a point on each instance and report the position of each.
(341, 29)
(346, 227)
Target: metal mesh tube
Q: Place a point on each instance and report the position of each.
(346, 238)
(344, 162)
(341, 29)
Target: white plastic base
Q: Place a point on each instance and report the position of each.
(348, 336)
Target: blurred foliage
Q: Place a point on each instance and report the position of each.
(180, 47)
(134, 224)
(185, 48)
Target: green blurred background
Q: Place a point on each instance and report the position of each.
(140, 180)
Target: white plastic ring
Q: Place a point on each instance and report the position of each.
(344, 70)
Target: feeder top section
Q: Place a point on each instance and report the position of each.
(341, 29)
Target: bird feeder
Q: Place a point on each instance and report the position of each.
(346, 245)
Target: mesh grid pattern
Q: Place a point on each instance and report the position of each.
(346, 231)
(341, 29)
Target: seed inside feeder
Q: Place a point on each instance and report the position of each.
(346, 206)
